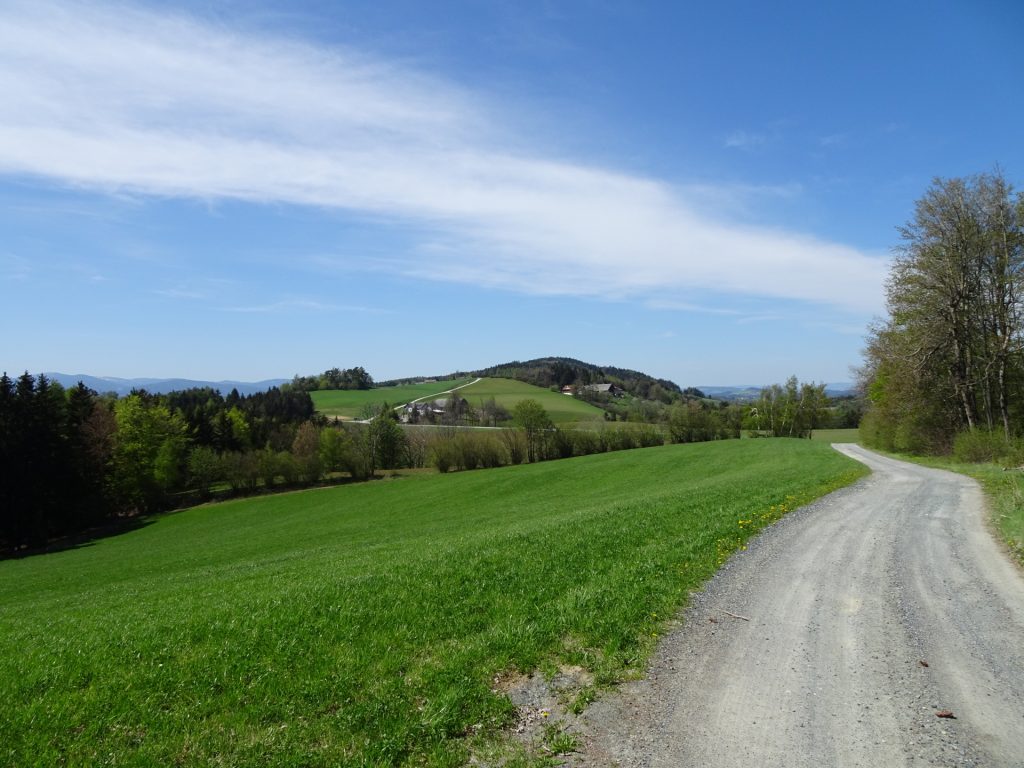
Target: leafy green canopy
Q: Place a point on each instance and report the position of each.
(948, 356)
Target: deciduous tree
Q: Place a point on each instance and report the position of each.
(531, 417)
(948, 356)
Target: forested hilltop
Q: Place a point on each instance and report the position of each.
(566, 371)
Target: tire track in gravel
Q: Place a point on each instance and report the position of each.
(846, 598)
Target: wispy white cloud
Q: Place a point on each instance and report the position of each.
(685, 306)
(745, 140)
(758, 319)
(131, 101)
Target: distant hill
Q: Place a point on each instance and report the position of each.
(562, 371)
(160, 386)
(738, 393)
(743, 393)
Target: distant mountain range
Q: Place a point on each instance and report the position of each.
(743, 393)
(160, 386)
(543, 372)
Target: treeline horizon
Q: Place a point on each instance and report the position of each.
(75, 459)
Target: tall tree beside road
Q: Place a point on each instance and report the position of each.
(948, 357)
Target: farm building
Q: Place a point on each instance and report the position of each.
(434, 410)
(606, 389)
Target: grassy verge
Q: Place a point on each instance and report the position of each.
(1004, 488)
(364, 625)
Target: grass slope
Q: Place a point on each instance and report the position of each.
(349, 403)
(363, 625)
(562, 409)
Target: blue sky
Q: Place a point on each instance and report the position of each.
(705, 191)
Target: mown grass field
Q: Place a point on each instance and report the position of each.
(350, 403)
(364, 624)
(562, 409)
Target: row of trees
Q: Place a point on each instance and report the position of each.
(54, 449)
(793, 409)
(72, 458)
(790, 410)
(948, 358)
(334, 378)
(781, 410)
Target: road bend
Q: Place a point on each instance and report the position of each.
(885, 627)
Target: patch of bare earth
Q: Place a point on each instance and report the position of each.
(544, 708)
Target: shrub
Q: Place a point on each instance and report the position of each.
(267, 462)
(204, 469)
(908, 438)
(417, 448)
(563, 444)
(515, 445)
(586, 442)
(241, 470)
(444, 454)
(287, 467)
(980, 445)
(876, 432)
(467, 450)
(649, 436)
(617, 439)
(490, 452)
(475, 449)
(1014, 456)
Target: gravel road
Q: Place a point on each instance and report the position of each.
(870, 612)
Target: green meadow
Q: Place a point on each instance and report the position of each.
(364, 625)
(563, 409)
(350, 403)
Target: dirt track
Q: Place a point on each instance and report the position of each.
(848, 599)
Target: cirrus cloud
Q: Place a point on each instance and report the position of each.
(133, 100)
